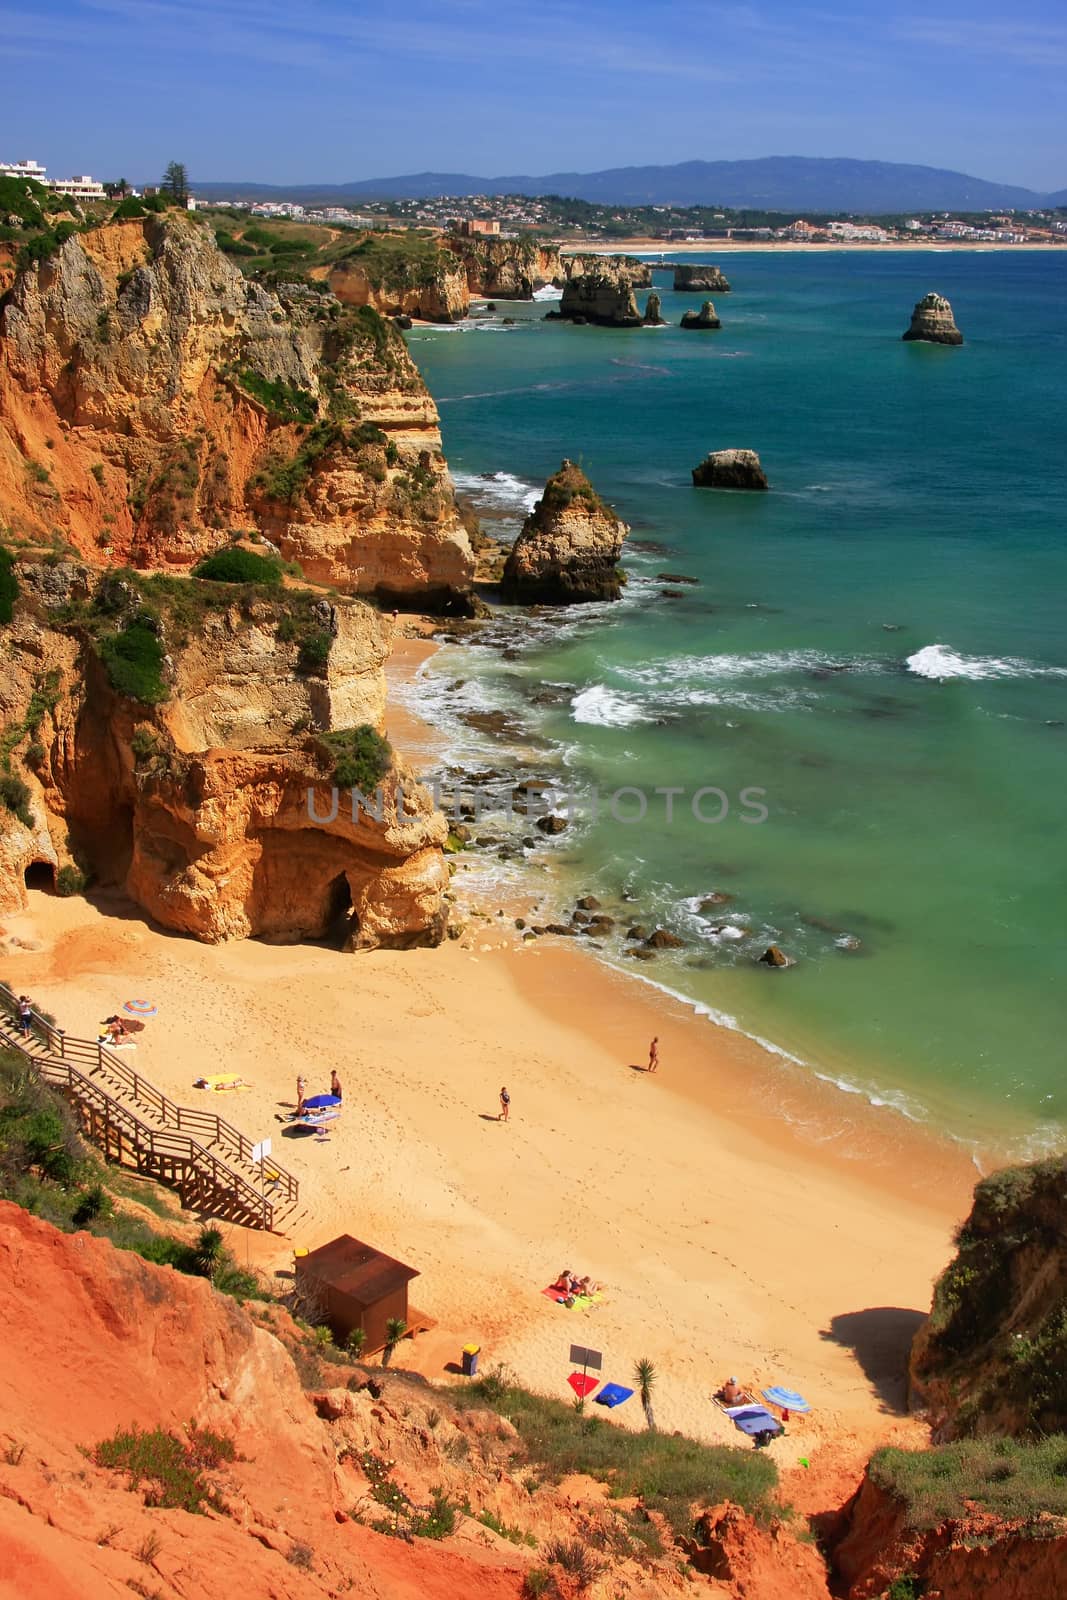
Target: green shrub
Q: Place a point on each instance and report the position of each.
(9, 586)
(45, 244)
(97, 470)
(362, 757)
(283, 400)
(70, 881)
(128, 208)
(314, 653)
(239, 566)
(134, 661)
(170, 1468)
(15, 795)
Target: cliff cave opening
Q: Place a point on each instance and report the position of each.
(40, 875)
(341, 921)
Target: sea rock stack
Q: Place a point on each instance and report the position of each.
(653, 309)
(699, 279)
(730, 469)
(706, 317)
(932, 322)
(569, 547)
(595, 297)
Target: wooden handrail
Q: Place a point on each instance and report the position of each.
(147, 1140)
(208, 1123)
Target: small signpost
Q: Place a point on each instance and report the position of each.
(584, 1358)
(260, 1152)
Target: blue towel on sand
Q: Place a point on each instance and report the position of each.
(753, 1420)
(613, 1394)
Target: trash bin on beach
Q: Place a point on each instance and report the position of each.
(470, 1359)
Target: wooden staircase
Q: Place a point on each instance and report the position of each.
(193, 1150)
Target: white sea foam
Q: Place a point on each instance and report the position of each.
(607, 708)
(761, 664)
(549, 292)
(940, 661)
(499, 490)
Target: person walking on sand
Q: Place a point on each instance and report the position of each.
(505, 1106)
(335, 1084)
(653, 1055)
(301, 1088)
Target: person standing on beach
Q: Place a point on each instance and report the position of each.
(653, 1055)
(505, 1106)
(335, 1084)
(301, 1088)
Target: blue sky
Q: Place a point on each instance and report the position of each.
(301, 90)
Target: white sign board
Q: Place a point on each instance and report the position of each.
(262, 1150)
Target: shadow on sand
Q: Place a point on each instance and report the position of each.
(880, 1338)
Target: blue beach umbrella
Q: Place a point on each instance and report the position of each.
(788, 1399)
(319, 1102)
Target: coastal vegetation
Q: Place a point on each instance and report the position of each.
(172, 1469)
(47, 1169)
(239, 566)
(669, 1472)
(361, 757)
(1010, 1479)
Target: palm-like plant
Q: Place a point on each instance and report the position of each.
(395, 1329)
(645, 1377)
(209, 1251)
(357, 1338)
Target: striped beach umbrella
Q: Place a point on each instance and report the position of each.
(140, 1008)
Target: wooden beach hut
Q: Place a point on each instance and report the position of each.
(360, 1288)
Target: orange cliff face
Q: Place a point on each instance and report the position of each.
(152, 400)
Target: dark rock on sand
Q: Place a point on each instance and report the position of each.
(588, 902)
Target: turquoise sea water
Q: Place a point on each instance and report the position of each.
(879, 643)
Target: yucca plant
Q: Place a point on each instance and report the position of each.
(395, 1330)
(645, 1378)
(209, 1251)
(357, 1338)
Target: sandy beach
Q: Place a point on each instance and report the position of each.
(742, 1217)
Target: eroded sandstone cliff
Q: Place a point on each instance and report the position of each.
(513, 269)
(208, 785)
(152, 399)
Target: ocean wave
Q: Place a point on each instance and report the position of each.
(499, 490)
(607, 708)
(940, 661)
(549, 292)
(761, 664)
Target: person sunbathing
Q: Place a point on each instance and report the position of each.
(564, 1281)
(587, 1286)
(731, 1393)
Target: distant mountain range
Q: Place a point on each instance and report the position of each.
(774, 183)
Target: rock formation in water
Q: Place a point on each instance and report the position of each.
(514, 269)
(152, 400)
(730, 469)
(932, 322)
(653, 317)
(699, 279)
(706, 317)
(569, 547)
(186, 745)
(594, 297)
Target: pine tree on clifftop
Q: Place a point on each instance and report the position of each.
(176, 182)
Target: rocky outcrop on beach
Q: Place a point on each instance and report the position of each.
(699, 279)
(438, 293)
(152, 399)
(653, 317)
(706, 317)
(932, 322)
(213, 799)
(569, 547)
(981, 1363)
(599, 299)
(730, 469)
(514, 269)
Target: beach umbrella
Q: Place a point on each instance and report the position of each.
(140, 1008)
(320, 1102)
(788, 1399)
